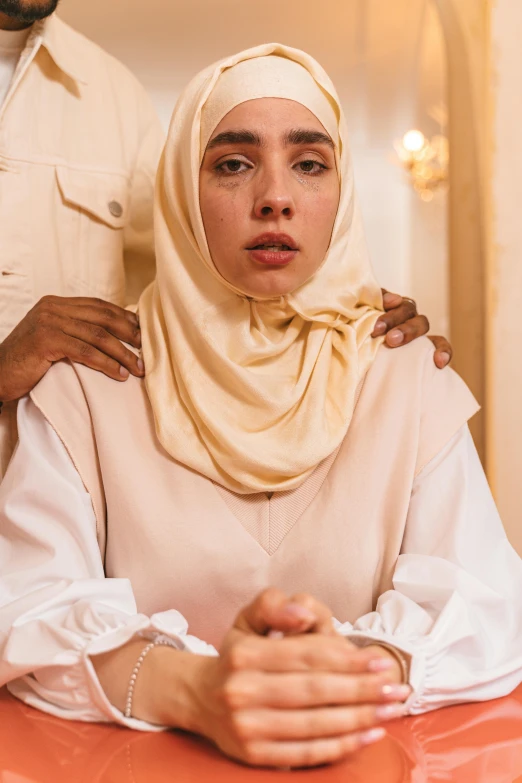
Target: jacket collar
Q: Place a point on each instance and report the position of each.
(58, 39)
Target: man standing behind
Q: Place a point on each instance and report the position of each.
(79, 146)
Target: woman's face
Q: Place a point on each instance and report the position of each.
(269, 192)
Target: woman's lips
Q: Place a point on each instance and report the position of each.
(272, 248)
(272, 257)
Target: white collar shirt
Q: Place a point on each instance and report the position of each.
(12, 43)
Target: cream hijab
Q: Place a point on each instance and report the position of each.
(252, 393)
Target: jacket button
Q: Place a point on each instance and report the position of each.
(116, 209)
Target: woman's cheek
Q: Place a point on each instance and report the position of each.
(318, 221)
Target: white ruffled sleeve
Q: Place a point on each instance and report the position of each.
(456, 606)
(56, 606)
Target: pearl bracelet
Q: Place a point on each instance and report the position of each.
(134, 674)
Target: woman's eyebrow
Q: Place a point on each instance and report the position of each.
(235, 137)
(304, 136)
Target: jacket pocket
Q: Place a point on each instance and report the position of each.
(97, 207)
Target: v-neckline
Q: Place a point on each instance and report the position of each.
(269, 519)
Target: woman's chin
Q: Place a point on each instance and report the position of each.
(271, 282)
(269, 289)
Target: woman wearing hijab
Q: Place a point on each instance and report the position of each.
(273, 444)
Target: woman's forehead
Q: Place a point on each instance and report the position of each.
(269, 115)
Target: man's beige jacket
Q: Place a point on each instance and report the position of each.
(79, 146)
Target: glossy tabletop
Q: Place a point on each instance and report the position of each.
(467, 744)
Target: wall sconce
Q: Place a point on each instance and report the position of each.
(425, 160)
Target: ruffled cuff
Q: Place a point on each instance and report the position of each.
(416, 658)
(168, 627)
(69, 687)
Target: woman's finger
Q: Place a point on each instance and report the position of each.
(272, 610)
(313, 723)
(443, 351)
(311, 753)
(311, 652)
(324, 618)
(406, 311)
(314, 689)
(407, 332)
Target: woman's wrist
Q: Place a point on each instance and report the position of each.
(169, 689)
(163, 688)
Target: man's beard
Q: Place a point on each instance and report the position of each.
(28, 11)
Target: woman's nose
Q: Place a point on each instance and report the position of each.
(274, 200)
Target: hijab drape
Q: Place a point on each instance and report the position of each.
(253, 393)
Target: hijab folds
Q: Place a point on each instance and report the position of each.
(253, 393)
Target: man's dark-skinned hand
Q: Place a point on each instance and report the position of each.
(402, 324)
(92, 332)
(88, 331)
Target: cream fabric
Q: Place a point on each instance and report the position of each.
(338, 538)
(270, 76)
(379, 539)
(77, 132)
(47, 508)
(253, 394)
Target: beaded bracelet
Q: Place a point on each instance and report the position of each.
(134, 674)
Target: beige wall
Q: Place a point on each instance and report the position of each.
(505, 266)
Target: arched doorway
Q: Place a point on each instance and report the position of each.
(465, 25)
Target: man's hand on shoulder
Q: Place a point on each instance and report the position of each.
(401, 324)
(84, 330)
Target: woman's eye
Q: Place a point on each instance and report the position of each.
(311, 167)
(232, 166)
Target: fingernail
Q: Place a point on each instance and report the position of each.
(300, 612)
(396, 692)
(389, 711)
(276, 635)
(380, 664)
(445, 358)
(374, 735)
(141, 366)
(396, 337)
(124, 372)
(380, 328)
(391, 300)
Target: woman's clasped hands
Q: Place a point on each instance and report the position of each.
(288, 691)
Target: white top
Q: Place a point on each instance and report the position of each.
(456, 604)
(12, 43)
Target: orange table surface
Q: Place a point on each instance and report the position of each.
(466, 744)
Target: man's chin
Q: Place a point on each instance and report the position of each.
(28, 11)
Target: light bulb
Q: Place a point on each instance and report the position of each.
(413, 141)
